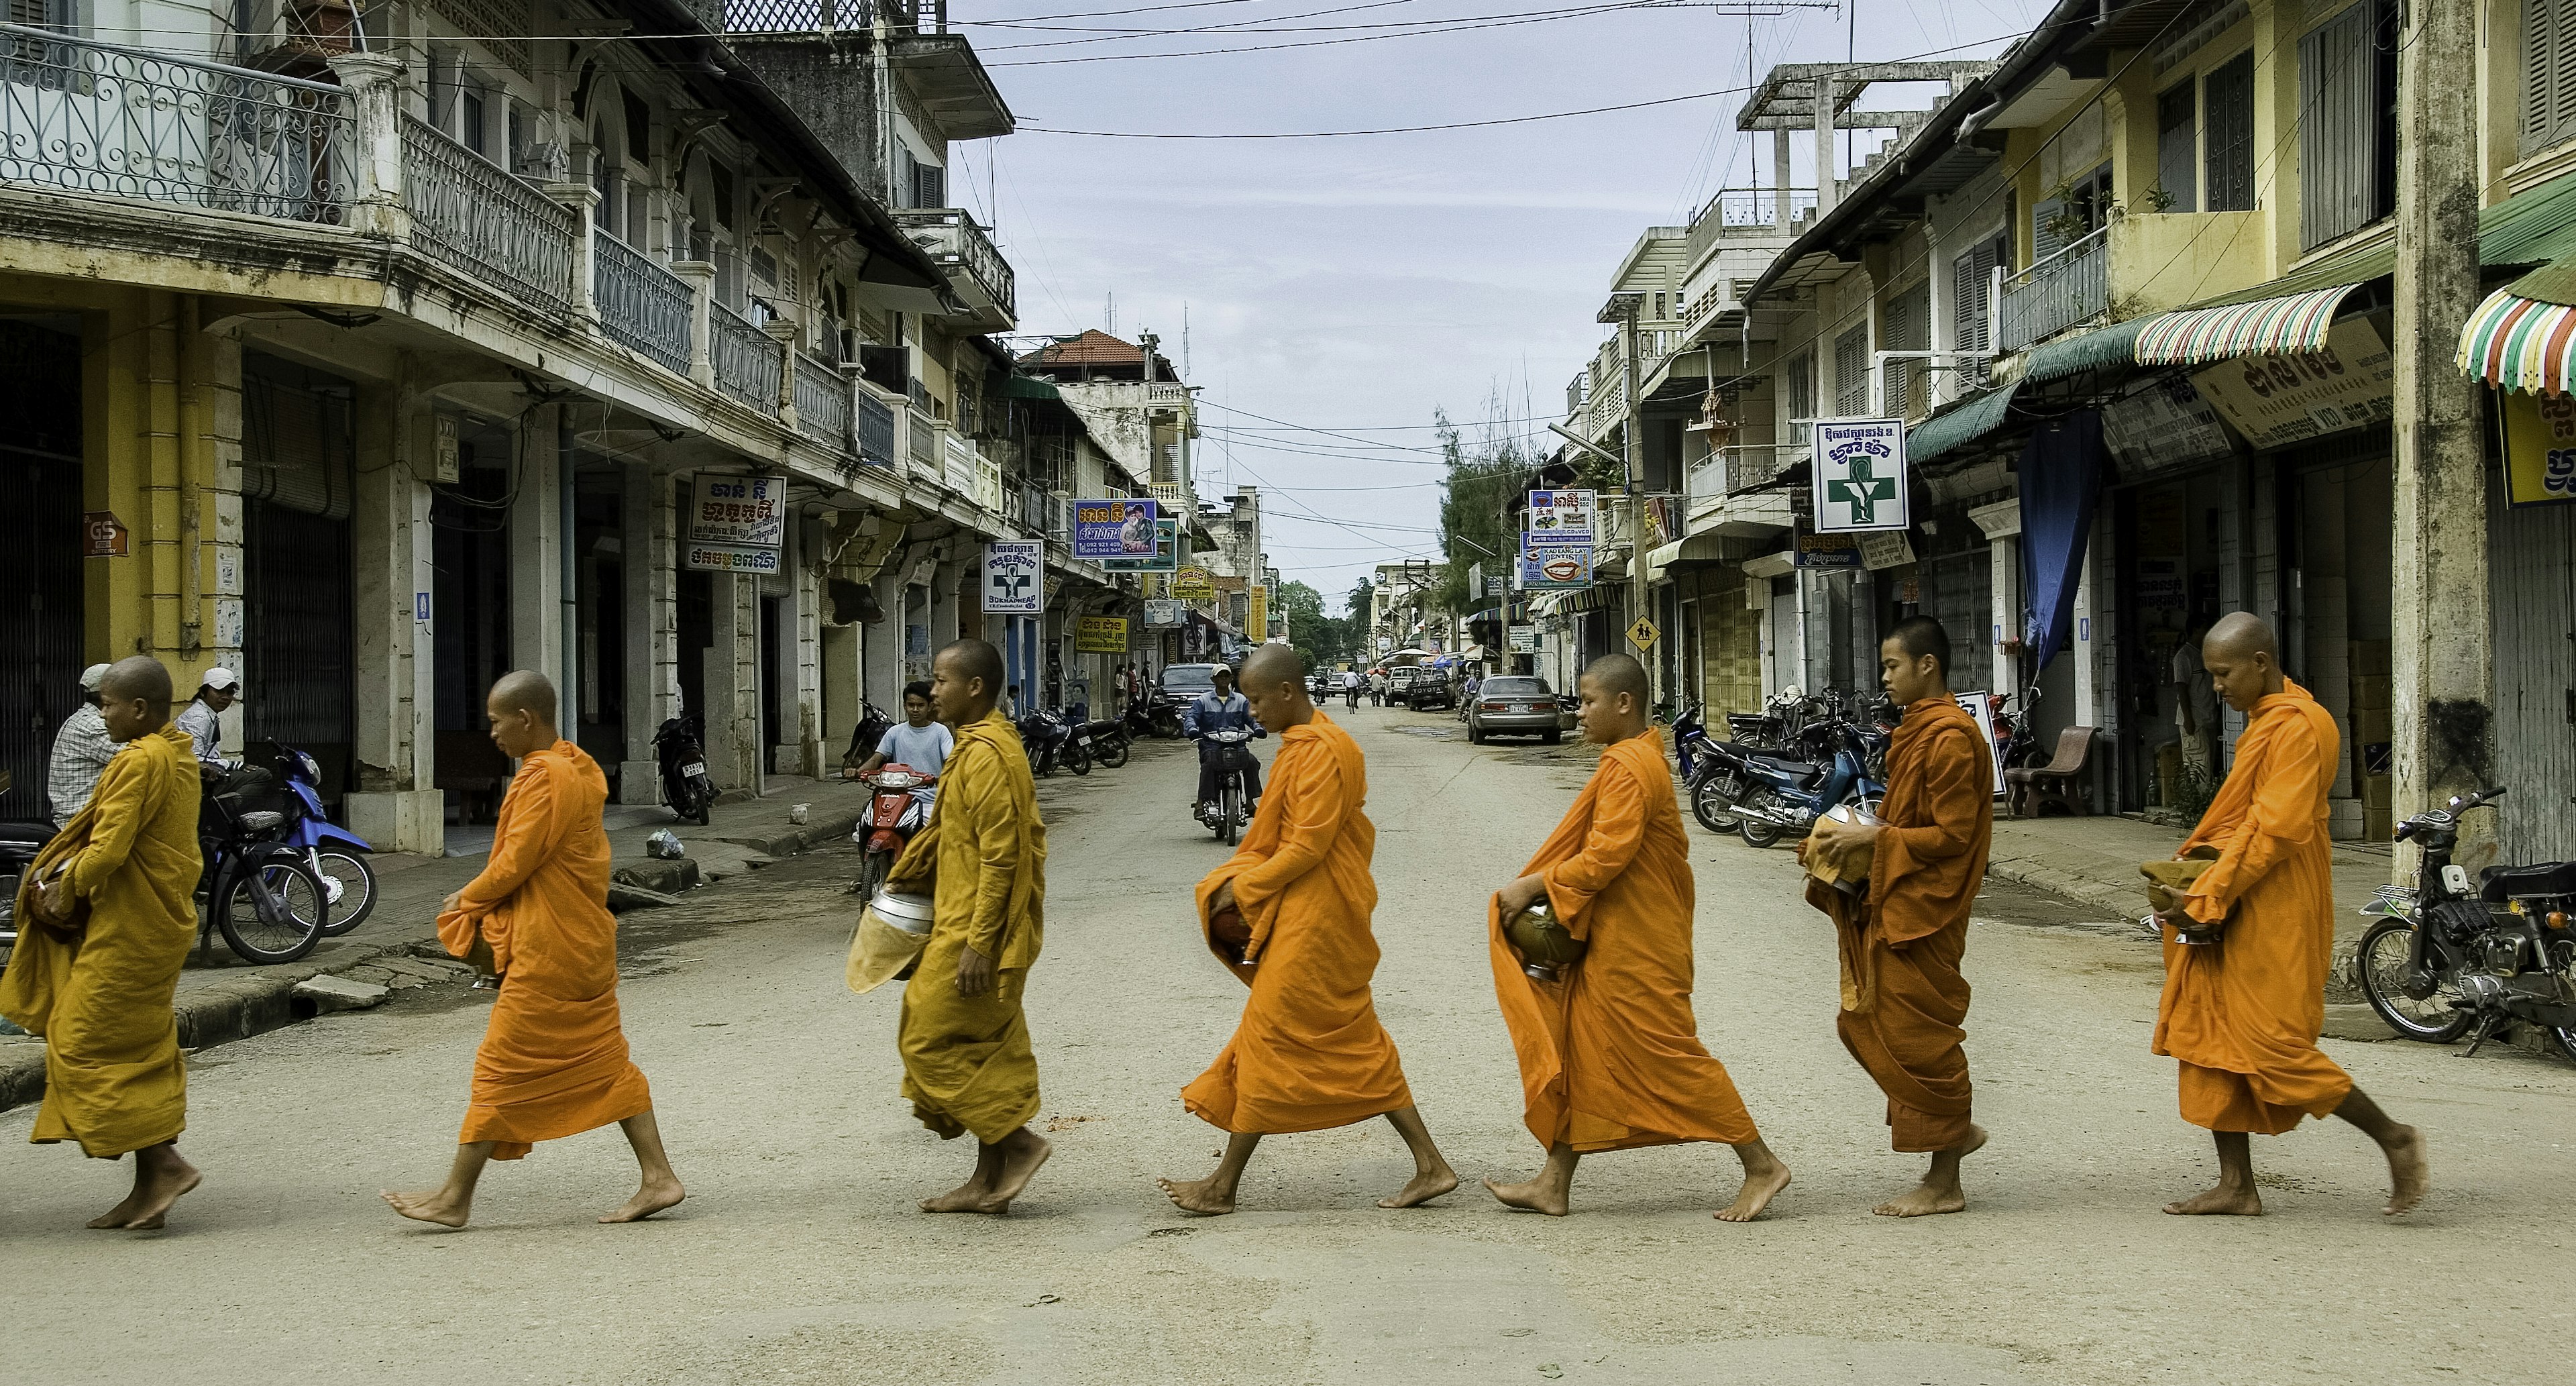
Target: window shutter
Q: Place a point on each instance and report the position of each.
(2338, 138)
(929, 186)
(1851, 372)
(2549, 73)
(2228, 139)
(2177, 147)
(2044, 238)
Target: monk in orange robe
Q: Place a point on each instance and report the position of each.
(1309, 1053)
(553, 1061)
(1610, 1056)
(2241, 1015)
(98, 978)
(1903, 999)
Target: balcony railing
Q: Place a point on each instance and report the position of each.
(88, 117)
(876, 430)
(961, 247)
(641, 304)
(822, 401)
(1750, 207)
(961, 460)
(921, 442)
(2067, 288)
(745, 359)
(810, 16)
(1757, 466)
(478, 218)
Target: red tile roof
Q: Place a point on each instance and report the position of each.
(1093, 348)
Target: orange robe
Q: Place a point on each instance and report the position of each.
(2242, 1014)
(553, 1060)
(1610, 1057)
(1903, 997)
(1309, 1053)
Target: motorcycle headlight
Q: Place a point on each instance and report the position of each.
(310, 768)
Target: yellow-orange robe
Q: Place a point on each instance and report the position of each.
(1610, 1057)
(2242, 1014)
(1903, 998)
(967, 1063)
(1309, 1052)
(101, 994)
(553, 1061)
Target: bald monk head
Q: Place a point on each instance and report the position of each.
(521, 708)
(1274, 682)
(2243, 659)
(1613, 692)
(965, 680)
(134, 697)
(1914, 661)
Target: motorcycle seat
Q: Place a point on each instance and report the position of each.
(2501, 883)
(30, 834)
(1794, 769)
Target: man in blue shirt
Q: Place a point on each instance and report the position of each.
(916, 743)
(1221, 709)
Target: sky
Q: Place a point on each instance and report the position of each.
(1339, 291)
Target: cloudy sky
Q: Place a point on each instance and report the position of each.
(1339, 290)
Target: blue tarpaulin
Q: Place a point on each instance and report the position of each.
(2061, 478)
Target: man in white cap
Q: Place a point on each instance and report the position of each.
(81, 749)
(219, 690)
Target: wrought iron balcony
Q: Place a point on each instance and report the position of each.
(477, 218)
(822, 401)
(641, 304)
(976, 270)
(745, 359)
(2069, 287)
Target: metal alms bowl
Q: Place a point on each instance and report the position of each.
(910, 913)
(1545, 947)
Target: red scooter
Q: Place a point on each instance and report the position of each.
(894, 815)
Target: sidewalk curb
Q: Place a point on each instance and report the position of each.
(238, 1008)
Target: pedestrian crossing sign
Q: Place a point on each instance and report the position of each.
(1643, 634)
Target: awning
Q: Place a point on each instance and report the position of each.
(2115, 345)
(2296, 323)
(1696, 550)
(1960, 425)
(2518, 343)
(1029, 387)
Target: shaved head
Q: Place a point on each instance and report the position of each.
(1272, 664)
(2244, 634)
(1274, 683)
(965, 682)
(1612, 702)
(2243, 660)
(1618, 673)
(525, 690)
(974, 659)
(138, 677)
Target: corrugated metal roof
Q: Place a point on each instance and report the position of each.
(2111, 346)
(2264, 327)
(1964, 423)
(1029, 387)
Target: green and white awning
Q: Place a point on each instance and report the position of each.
(2292, 325)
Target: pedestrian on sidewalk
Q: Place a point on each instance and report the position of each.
(553, 1061)
(1610, 1055)
(1904, 1002)
(106, 916)
(2241, 1014)
(81, 750)
(1289, 915)
(202, 720)
(967, 1062)
(2196, 705)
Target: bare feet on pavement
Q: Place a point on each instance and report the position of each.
(2408, 1171)
(1535, 1195)
(2221, 1201)
(653, 1197)
(1760, 1187)
(1198, 1197)
(147, 1208)
(430, 1205)
(1422, 1188)
(1939, 1192)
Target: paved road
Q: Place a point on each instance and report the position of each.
(799, 1258)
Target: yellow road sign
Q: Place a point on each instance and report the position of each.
(1643, 634)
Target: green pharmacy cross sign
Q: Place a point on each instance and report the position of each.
(1860, 476)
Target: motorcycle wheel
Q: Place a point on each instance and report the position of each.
(2383, 959)
(1114, 753)
(272, 912)
(1229, 812)
(872, 872)
(1714, 807)
(356, 885)
(706, 810)
(1077, 758)
(1757, 834)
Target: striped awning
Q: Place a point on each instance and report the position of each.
(2264, 327)
(2517, 343)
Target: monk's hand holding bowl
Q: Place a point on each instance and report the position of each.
(1521, 894)
(1223, 900)
(974, 972)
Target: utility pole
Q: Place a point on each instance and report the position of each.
(2443, 679)
(1632, 466)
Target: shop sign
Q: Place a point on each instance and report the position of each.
(1256, 622)
(1860, 480)
(1886, 549)
(1100, 635)
(1562, 517)
(1014, 577)
(1166, 554)
(2539, 447)
(2279, 400)
(104, 536)
(2162, 428)
(1113, 528)
(1194, 585)
(1162, 614)
(1385, 644)
(1547, 566)
(737, 524)
(1523, 639)
(1828, 551)
(1978, 706)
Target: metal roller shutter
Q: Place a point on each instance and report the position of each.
(2532, 582)
(298, 583)
(40, 554)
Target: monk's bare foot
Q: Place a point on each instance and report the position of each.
(157, 1190)
(115, 1219)
(1922, 1200)
(1198, 1197)
(1760, 1187)
(432, 1205)
(1022, 1154)
(1422, 1188)
(2408, 1172)
(2222, 1201)
(653, 1197)
(969, 1197)
(1535, 1196)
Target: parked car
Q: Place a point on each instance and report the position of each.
(1515, 705)
(1422, 687)
(1185, 682)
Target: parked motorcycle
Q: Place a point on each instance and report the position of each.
(338, 857)
(894, 815)
(1107, 739)
(2447, 961)
(257, 891)
(1771, 796)
(20, 841)
(679, 750)
(1227, 814)
(1081, 742)
(1044, 738)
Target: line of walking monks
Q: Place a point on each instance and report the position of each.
(1609, 1052)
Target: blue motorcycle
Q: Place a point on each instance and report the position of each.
(1768, 796)
(337, 857)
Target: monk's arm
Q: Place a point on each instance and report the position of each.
(2281, 816)
(1316, 801)
(998, 844)
(124, 801)
(1618, 832)
(517, 853)
(1959, 782)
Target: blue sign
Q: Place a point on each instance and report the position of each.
(1554, 567)
(1115, 528)
(1165, 557)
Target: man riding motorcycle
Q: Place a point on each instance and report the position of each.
(1221, 709)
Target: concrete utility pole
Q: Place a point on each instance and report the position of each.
(2443, 684)
(1633, 464)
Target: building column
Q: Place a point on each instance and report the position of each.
(733, 684)
(798, 667)
(537, 540)
(649, 525)
(396, 806)
(2001, 524)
